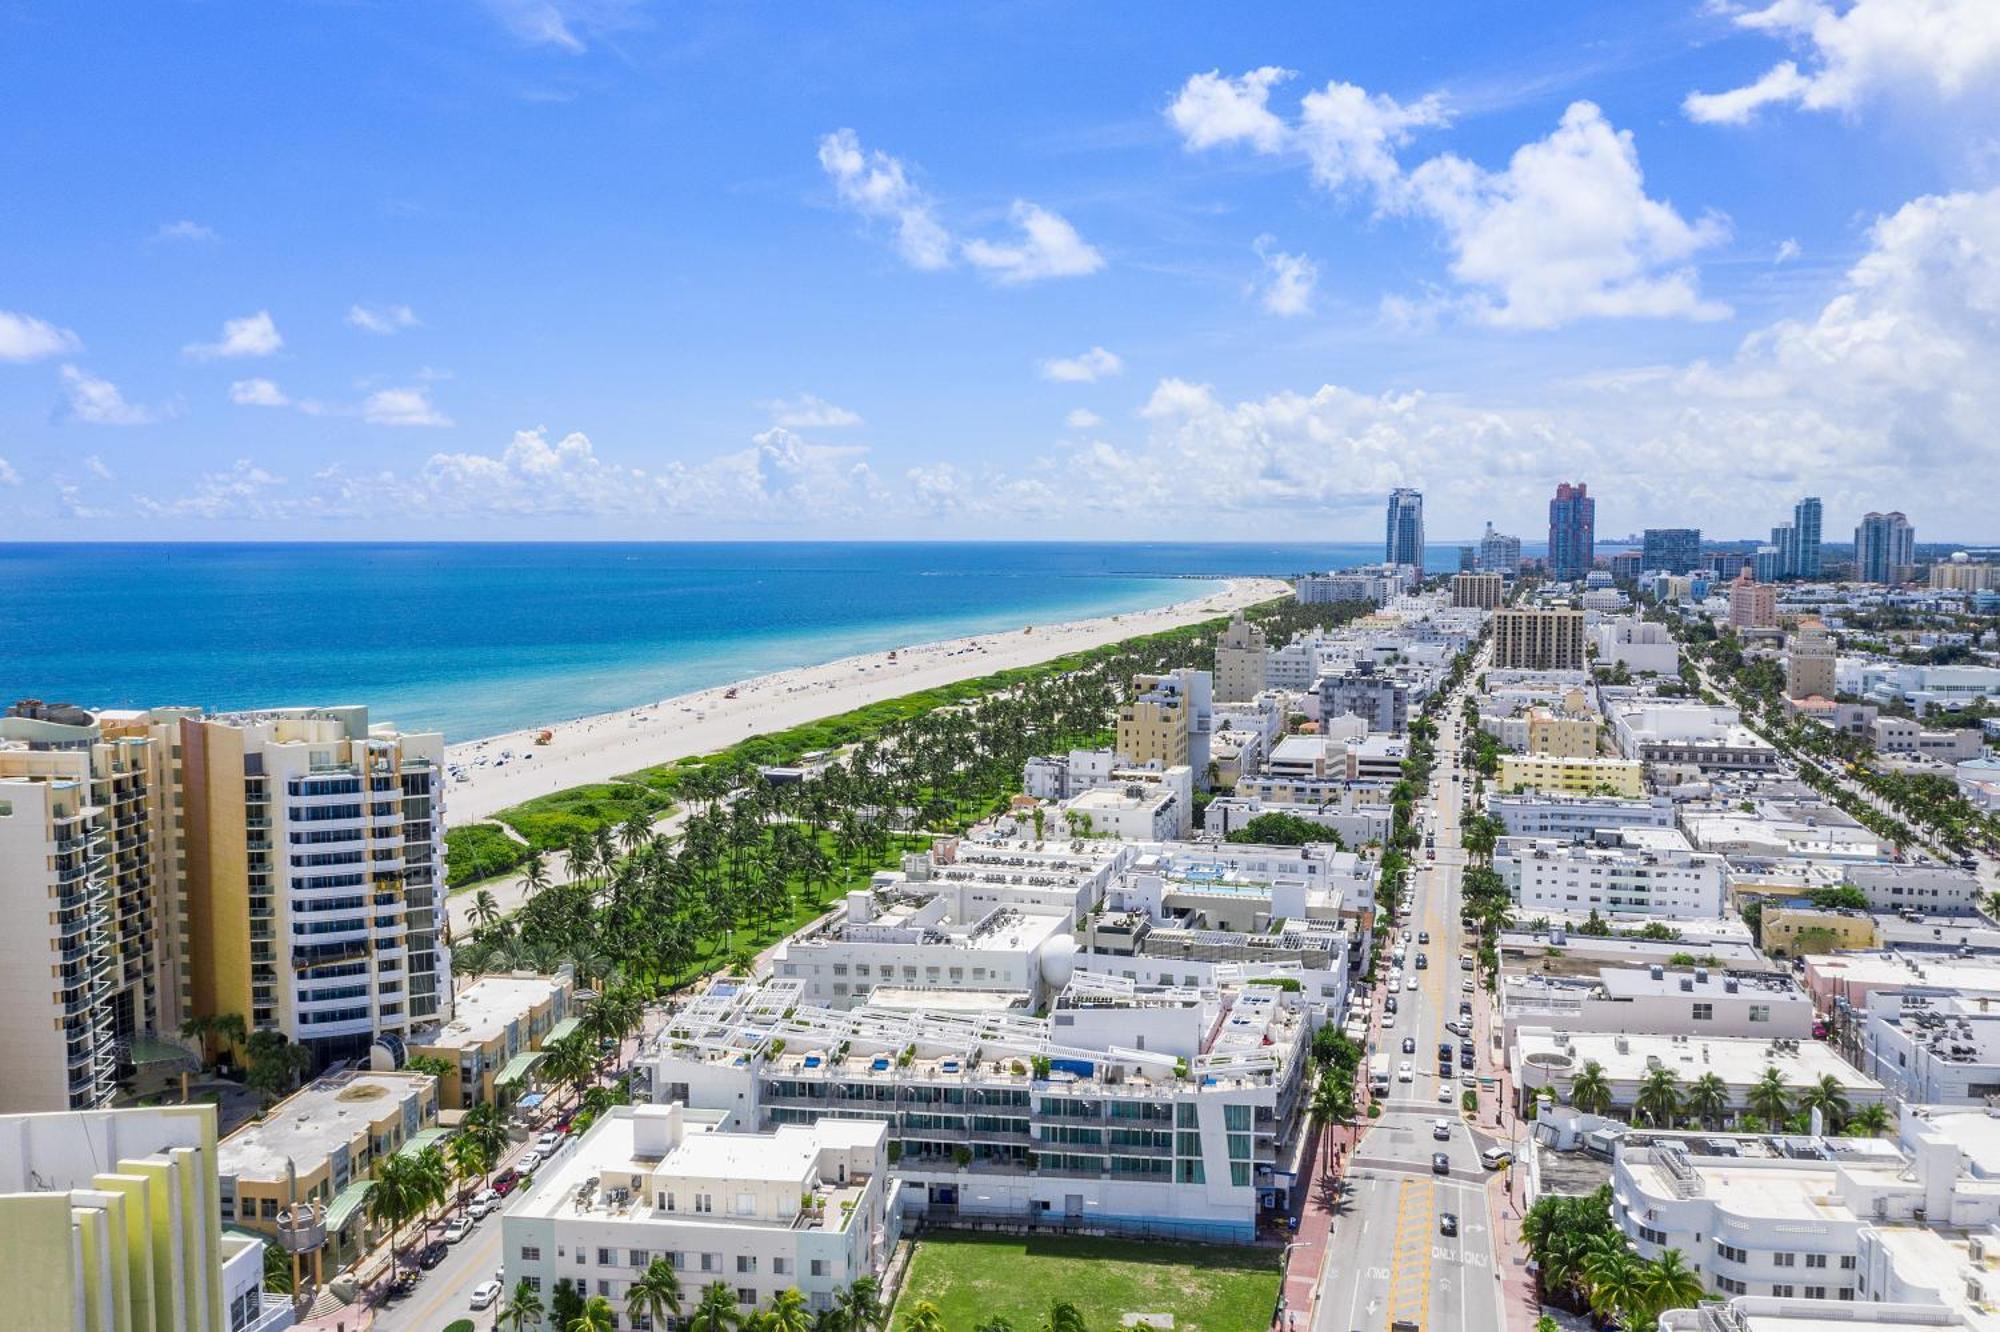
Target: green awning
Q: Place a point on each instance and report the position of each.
(567, 1027)
(517, 1068)
(346, 1201)
(430, 1137)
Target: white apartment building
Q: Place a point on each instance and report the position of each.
(1931, 1046)
(1060, 776)
(1066, 878)
(1903, 735)
(1549, 1058)
(1577, 817)
(1922, 687)
(315, 875)
(910, 941)
(1164, 1112)
(805, 1206)
(1660, 1001)
(1623, 872)
(1136, 804)
(1355, 823)
(1928, 888)
(1642, 646)
(111, 1223)
(1693, 735)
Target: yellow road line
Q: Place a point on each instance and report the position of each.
(1410, 1254)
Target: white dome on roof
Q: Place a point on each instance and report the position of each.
(1057, 957)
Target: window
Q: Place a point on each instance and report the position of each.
(1652, 1236)
(1782, 1292)
(531, 1253)
(1760, 1012)
(640, 1258)
(1704, 1012)
(1731, 1252)
(1815, 1260)
(1783, 1259)
(781, 1267)
(746, 1263)
(604, 1289)
(704, 1202)
(745, 1295)
(1846, 1293)
(606, 1257)
(1815, 1292)
(1847, 1262)
(1729, 1287)
(534, 1282)
(819, 1267)
(711, 1261)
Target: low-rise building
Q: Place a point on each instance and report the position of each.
(1660, 1001)
(1796, 931)
(498, 1022)
(1848, 979)
(1641, 646)
(1932, 889)
(1930, 1046)
(1554, 734)
(909, 940)
(1355, 823)
(1577, 816)
(808, 1206)
(317, 1149)
(111, 1222)
(1903, 735)
(1550, 774)
(1551, 1058)
(1627, 872)
(1136, 805)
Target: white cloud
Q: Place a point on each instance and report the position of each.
(1211, 110)
(1082, 418)
(1291, 278)
(252, 335)
(244, 491)
(388, 319)
(26, 338)
(98, 401)
(563, 24)
(184, 230)
(402, 407)
(1088, 368)
(877, 186)
(97, 467)
(1567, 231)
(1788, 250)
(1048, 247)
(8, 476)
(257, 393)
(807, 412)
(1941, 51)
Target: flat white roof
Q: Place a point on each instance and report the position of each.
(310, 1123)
(484, 1009)
(1738, 1060)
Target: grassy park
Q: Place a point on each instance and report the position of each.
(1207, 1288)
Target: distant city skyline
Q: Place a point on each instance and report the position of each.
(488, 268)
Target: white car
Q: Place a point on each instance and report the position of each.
(529, 1160)
(1406, 1072)
(1412, 983)
(547, 1144)
(485, 1293)
(1441, 1129)
(485, 1203)
(457, 1229)
(1444, 1093)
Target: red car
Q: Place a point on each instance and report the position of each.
(504, 1182)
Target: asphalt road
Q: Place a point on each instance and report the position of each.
(1389, 1259)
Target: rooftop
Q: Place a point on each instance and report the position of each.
(327, 1113)
(1737, 1060)
(483, 1010)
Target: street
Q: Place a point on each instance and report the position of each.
(1389, 1259)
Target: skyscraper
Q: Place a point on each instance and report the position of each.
(1405, 543)
(1785, 537)
(1805, 526)
(1572, 532)
(1499, 553)
(1885, 548)
(1674, 549)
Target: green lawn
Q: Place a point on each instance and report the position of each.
(1206, 1288)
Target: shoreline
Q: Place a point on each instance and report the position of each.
(608, 745)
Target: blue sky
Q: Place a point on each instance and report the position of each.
(609, 268)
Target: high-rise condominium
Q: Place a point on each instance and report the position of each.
(1499, 553)
(1805, 529)
(1572, 532)
(1785, 541)
(1673, 549)
(1885, 548)
(1405, 544)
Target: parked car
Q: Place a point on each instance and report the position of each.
(1444, 1093)
(457, 1229)
(529, 1160)
(504, 1182)
(548, 1142)
(1469, 1080)
(431, 1255)
(485, 1293)
(1465, 1008)
(484, 1203)
(1495, 1157)
(1424, 937)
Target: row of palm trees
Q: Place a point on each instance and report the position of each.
(1770, 1102)
(1582, 1258)
(656, 1297)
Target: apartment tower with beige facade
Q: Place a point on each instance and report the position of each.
(1241, 657)
(1538, 638)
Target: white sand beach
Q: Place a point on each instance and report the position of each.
(600, 748)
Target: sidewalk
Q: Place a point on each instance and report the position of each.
(1327, 1153)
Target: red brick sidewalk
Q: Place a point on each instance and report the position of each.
(1326, 1160)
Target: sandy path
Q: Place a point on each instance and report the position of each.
(596, 749)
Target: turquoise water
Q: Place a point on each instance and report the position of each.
(478, 639)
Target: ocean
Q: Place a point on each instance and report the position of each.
(477, 639)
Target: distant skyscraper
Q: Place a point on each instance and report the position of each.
(1674, 549)
(1805, 523)
(1572, 532)
(1468, 558)
(1406, 528)
(1885, 548)
(1785, 537)
(1499, 553)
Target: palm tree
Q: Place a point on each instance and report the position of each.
(1668, 1283)
(485, 907)
(656, 1295)
(396, 1198)
(596, 1317)
(482, 1124)
(1870, 1121)
(1708, 1099)
(1767, 1097)
(1590, 1090)
(924, 1318)
(1827, 1097)
(1063, 1317)
(470, 1160)
(534, 875)
(788, 1312)
(1658, 1098)
(861, 1306)
(717, 1310)
(1613, 1277)
(1547, 1323)
(523, 1307)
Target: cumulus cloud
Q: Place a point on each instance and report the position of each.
(252, 335)
(877, 186)
(808, 412)
(1788, 250)
(1289, 279)
(25, 338)
(244, 491)
(389, 319)
(8, 476)
(1565, 232)
(1940, 51)
(1082, 418)
(402, 407)
(184, 230)
(98, 402)
(1088, 368)
(257, 393)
